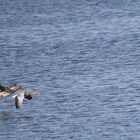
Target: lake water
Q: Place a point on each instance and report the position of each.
(83, 56)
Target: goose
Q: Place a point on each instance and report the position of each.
(6, 91)
(23, 95)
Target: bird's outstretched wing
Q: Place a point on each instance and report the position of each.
(6, 91)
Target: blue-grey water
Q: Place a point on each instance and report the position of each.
(84, 58)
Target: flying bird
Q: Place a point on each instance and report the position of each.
(19, 97)
(23, 95)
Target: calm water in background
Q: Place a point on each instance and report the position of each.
(83, 56)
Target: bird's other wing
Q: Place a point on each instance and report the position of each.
(19, 99)
(31, 93)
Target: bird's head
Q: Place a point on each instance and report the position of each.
(27, 96)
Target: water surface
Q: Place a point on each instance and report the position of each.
(83, 56)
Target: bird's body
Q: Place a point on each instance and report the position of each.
(19, 97)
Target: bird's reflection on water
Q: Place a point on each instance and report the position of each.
(18, 117)
(5, 116)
